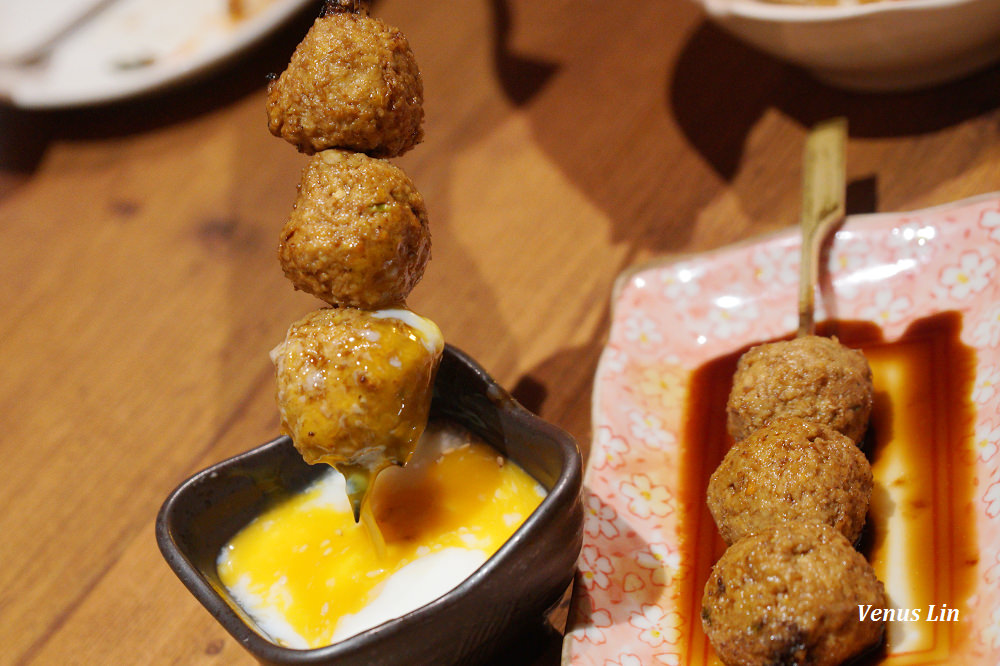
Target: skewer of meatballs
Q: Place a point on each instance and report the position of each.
(354, 379)
(790, 499)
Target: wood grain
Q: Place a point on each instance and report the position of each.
(565, 141)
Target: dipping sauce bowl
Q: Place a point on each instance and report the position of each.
(506, 597)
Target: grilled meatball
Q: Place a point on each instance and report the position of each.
(812, 377)
(790, 595)
(791, 469)
(358, 233)
(354, 386)
(352, 83)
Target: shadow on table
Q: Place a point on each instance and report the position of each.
(26, 134)
(714, 90)
(721, 87)
(522, 78)
(572, 370)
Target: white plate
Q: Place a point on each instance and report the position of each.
(874, 46)
(131, 47)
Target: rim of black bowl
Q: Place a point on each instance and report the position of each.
(566, 488)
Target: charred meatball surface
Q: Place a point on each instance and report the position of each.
(790, 595)
(358, 234)
(791, 469)
(811, 377)
(351, 83)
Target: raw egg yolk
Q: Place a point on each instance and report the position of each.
(304, 565)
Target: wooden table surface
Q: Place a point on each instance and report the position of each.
(565, 141)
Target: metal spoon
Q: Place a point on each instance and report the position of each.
(823, 206)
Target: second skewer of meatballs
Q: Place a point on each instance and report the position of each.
(790, 498)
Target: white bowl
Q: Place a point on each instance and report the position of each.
(876, 46)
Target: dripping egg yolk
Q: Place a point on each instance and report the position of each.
(310, 576)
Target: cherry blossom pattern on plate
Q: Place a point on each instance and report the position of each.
(680, 283)
(974, 271)
(887, 308)
(649, 429)
(624, 660)
(732, 314)
(595, 568)
(991, 498)
(993, 572)
(662, 561)
(593, 628)
(991, 635)
(987, 440)
(664, 384)
(646, 499)
(656, 626)
(990, 221)
(776, 262)
(608, 450)
(911, 244)
(642, 331)
(847, 263)
(600, 520)
(986, 332)
(987, 383)
(612, 363)
(669, 318)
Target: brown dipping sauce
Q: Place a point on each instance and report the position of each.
(919, 442)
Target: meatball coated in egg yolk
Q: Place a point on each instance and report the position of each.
(354, 388)
(358, 234)
(352, 83)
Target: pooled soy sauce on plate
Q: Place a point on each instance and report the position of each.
(921, 532)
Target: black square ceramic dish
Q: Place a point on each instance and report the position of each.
(507, 595)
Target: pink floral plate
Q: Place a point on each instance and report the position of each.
(649, 541)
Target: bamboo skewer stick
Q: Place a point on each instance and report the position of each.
(823, 207)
